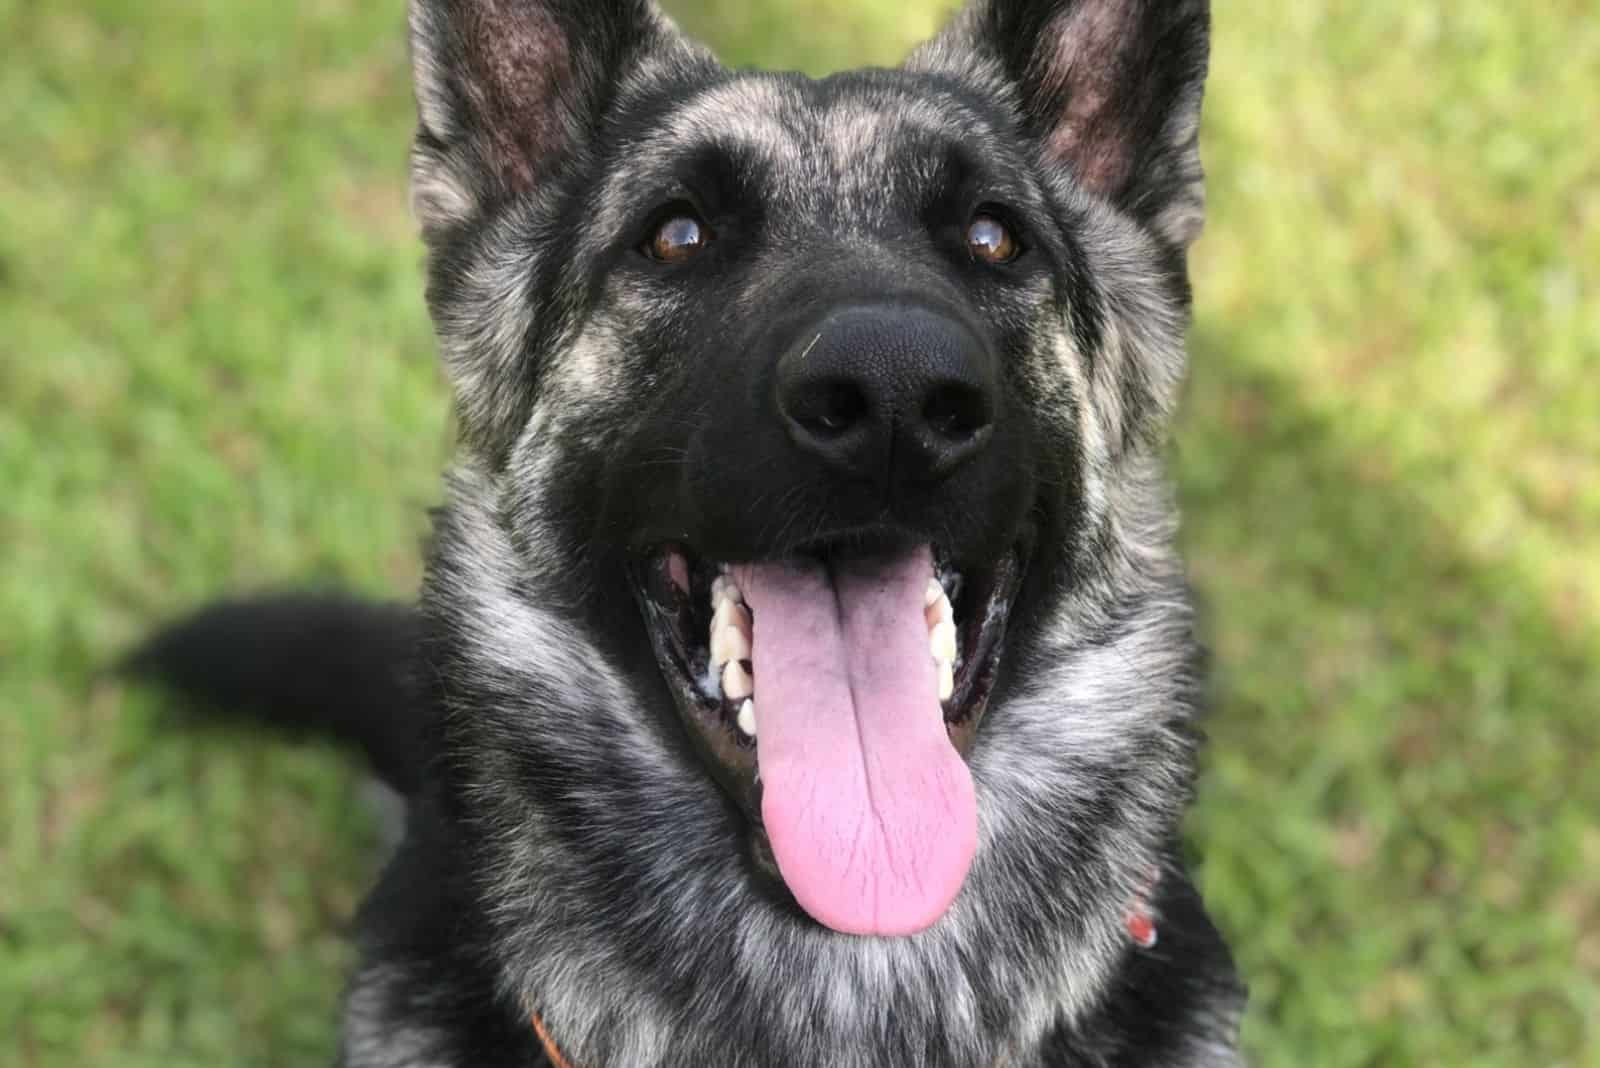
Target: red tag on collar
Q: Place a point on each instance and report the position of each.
(1140, 922)
(1141, 928)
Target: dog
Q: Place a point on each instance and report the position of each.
(804, 673)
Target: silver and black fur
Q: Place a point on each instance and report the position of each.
(568, 850)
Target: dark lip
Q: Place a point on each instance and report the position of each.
(673, 620)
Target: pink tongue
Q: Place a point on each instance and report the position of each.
(869, 808)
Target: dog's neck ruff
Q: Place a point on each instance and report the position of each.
(1140, 923)
(560, 958)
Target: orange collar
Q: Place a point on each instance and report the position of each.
(551, 1051)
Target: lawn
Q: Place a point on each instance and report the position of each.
(216, 374)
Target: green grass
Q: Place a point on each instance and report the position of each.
(216, 373)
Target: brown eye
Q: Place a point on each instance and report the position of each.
(678, 238)
(990, 241)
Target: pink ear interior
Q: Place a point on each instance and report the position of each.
(1086, 68)
(519, 71)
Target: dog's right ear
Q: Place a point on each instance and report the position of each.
(507, 89)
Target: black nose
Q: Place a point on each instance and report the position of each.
(889, 392)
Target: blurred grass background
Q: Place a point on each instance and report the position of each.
(216, 374)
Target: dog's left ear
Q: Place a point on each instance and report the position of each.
(1110, 88)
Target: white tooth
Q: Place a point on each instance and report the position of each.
(939, 611)
(730, 633)
(947, 679)
(736, 682)
(747, 718)
(723, 588)
(732, 642)
(934, 592)
(730, 614)
(942, 642)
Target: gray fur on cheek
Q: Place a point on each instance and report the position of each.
(483, 319)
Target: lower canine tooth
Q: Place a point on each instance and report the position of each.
(747, 718)
(947, 679)
(736, 682)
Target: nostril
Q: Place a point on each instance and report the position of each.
(955, 411)
(828, 409)
(888, 394)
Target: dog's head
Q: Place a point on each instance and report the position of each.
(810, 544)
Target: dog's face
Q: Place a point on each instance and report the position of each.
(810, 546)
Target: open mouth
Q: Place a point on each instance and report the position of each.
(834, 694)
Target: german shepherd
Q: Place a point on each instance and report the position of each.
(804, 674)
